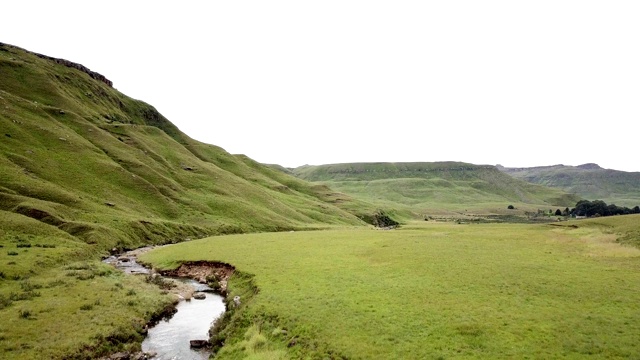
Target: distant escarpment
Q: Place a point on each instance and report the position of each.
(424, 187)
(590, 181)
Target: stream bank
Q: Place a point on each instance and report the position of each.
(183, 332)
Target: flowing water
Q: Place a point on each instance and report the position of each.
(169, 339)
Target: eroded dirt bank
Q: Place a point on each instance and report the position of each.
(205, 272)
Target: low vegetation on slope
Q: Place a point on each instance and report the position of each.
(78, 155)
(85, 169)
(590, 181)
(427, 188)
(431, 290)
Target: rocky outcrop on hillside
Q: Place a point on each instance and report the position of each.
(71, 64)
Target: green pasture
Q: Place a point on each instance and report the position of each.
(57, 302)
(431, 290)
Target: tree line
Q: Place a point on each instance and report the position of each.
(600, 208)
(585, 208)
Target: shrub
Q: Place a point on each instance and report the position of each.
(161, 282)
(27, 295)
(213, 283)
(510, 207)
(24, 314)
(29, 286)
(45, 246)
(4, 301)
(12, 253)
(23, 245)
(86, 307)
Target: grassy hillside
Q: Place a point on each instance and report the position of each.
(427, 188)
(431, 290)
(85, 169)
(77, 152)
(590, 181)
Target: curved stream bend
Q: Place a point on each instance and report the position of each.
(170, 338)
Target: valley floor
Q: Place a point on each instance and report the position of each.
(429, 290)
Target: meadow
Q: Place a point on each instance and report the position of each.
(430, 290)
(87, 171)
(56, 302)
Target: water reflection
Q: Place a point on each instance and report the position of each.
(170, 339)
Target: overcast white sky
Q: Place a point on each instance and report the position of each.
(517, 83)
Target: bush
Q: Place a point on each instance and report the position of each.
(4, 302)
(12, 253)
(29, 286)
(213, 283)
(46, 246)
(161, 282)
(27, 295)
(510, 207)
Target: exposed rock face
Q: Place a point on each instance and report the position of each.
(71, 64)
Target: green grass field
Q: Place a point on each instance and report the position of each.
(432, 290)
(85, 169)
(58, 303)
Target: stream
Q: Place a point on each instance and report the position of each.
(170, 339)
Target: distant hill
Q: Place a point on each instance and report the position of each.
(419, 188)
(589, 181)
(80, 156)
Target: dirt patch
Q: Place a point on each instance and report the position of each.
(203, 271)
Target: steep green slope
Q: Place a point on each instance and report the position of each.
(590, 181)
(84, 169)
(81, 152)
(430, 187)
